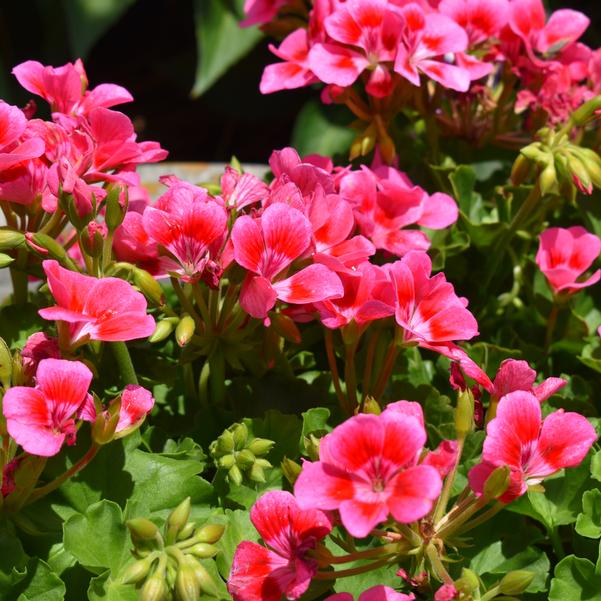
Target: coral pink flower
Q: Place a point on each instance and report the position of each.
(427, 39)
(261, 574)
(133, 244)
(564, 255)
(375, 593)
(190, 227)
(447, 592)
(481, 19)
(443, 458)
(13, 149)
(518, 375)
(367, 470)
(266, 247)
(136, 403)
(96, 308)
(259, 12)
(41, 419)
(239, 190)
(65, 88)
(532, 451)
(373, 29)
(295, 71)
(527, 20)
(39, 346)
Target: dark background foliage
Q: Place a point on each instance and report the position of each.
(150, 48)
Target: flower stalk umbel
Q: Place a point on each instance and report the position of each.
(170, 562)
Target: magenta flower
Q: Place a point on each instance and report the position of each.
(532, 450)
(564, 255)
(266, 247)
(136, 403)
(367, 469)
(518, 375)
(372, 30)
(427, 38)
(41, 419)
(96, 308)
(239, 190)
(38, 346)
(481, 19)
(259, 12)
(190, 227)
(14, 149)
(262, 574)
(375, 593)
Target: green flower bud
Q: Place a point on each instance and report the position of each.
(55, 250)
(260, 446)
(234, 475)
(496, 484)
(464, 414)
(538, 153)
(187, 531)
(137, 571)
(187, 584)
(469, 582)
(161, 331)
(520, 170)
(312, 447)
(185, 330)
(244, 459)
(240, 433)
(203, 550)
(580, 174)
(263, 463)
(291, 470)
(104, 426)
(286, 328)
(149, 287)
(5, 260)
(210, 533)
(226, 462)
(592, 162)
(179, 517)
(10, 239)
(142, 529)
(154, 589)
(516, 582)
(587, 111)
(225, 443)
(114, 212)
(207, 584)
(547, 180)
(6, 364)
(257, 474)
(371, 406)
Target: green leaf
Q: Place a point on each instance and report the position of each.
(315, 420)
(98, 539)
(89, 20)
(220, 41)
(322, 129)
(284, 430)
(575, 579)
(596, 466)
(41, 584)
(589, 521)
(12, 558)
(104, 588)
(238, 528)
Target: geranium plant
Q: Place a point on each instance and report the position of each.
(369, 376)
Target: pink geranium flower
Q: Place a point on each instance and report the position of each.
(259, 12)
(96, 308)
(262, 574)
(481, 19)
(41, 419)
(532, 450)
(375, 593)
(14, 149)
(38, 346)
(190, 227)
(367, 469)
(564, 255)
(427, 38)
(367, 34)
(266, 247)
(136, 403)
(518, 375)
(239, 190)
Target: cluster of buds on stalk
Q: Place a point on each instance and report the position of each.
(169, 563)
(562, 166)
(240, 455)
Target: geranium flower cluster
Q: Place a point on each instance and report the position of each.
(388, 48)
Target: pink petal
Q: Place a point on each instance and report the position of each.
(439, 211)
(321, 486)
(248, 243)
(382, 593)
(449, 76)
(415, 490)
(336, 64)
(548, 388)
(564, 27)
(257, 296)
(312, 284)
(359, 517)
(65, 383)
(136, 402)
(526, 16)
(513, 375)
(285, 76)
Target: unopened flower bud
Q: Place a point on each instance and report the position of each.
(496, 484)
(10, 239)
(464, 413)
(187, 531)
(104, 426)
(260, 446)
(225, 443)
(226, 462)
(586, 112)
(179, 517)
(137, 571)
(161, 331)
(45, 242)
(370, 405)
(240, 432)
(114, 212)
(537, 153)
(547, 180)
(154, 589)
(291, 470)
(149, 287)
(5, 260)
(6, 364)
(580, 174)
(234, 475)
(520, 170)
(469, 582)
(207, 584)
(244, 459)
(185, 330)
(187, 584)
(257, 473)
(516, 582)
(286, 328)
(210, 533)
(203, 550)
(142, 529)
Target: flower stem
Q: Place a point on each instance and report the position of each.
(352, 571)
(387, 368)
(329, 340)
(369, 363)
(38, 493)
(350, 377)
(123, 358)
(483, 517)
(551, 321)
(443, 500)
(202, 305)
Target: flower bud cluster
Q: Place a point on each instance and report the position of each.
(168, 562)
(240, 455)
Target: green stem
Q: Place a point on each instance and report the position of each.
(375, 553)
(413, 537)
(352, 571)
(185, 302)
(443, 500)
(556, 542)
(483, 517)
(38, 493)
(107, 250)
(458, 521)
(202, 305)
(329, 341)
(123, 358)
(369, 363)
(387, 368)
(350, 377)
(551, 321)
